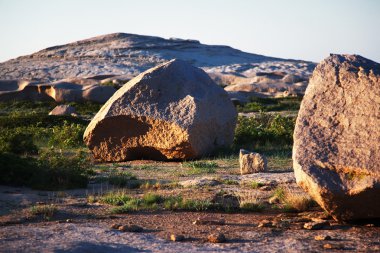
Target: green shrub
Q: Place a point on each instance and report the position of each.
(115, 198)
(17, 171)
(67, 135)
(271, 104)
(51, 171)
(263, 129)
(47, 211)
(17, 142)
(151, 198)
(123, 179)
(86, 108)
(255, 185)
(38, 120)
(200, 167)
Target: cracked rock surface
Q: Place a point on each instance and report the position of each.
(336, 149)
(172, 111)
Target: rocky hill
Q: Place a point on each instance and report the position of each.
(126, 55)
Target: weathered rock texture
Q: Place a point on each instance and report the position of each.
(172, 111)
(68, 90)
(122, 56)
(336, 149)
(251, 162)
(64, 110)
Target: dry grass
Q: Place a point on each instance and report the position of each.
(47, 211)
(293, 200)
(249, 201)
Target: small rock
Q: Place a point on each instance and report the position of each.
(69, 220)
(274, 200)
(64, 110)
(209, 221)
(251, 162)
(177, 238)
(115, 226)
(123, 228)
(314, 225)
(265, 224)
(333, 246)
(322, 237)
(216, 238)
(266, 188)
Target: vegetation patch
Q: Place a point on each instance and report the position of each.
(51, 171)
(200, 167)
(47, 211)
(264, 129)
(123, 179)
(258, 104)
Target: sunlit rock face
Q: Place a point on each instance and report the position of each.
(336, 151)
(172, 111)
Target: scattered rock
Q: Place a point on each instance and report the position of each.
(251, 162)
(336, 152)
(128, 228)
(314, 225)
(209, 221)
(59, 91)
(172, 111)
(322, 237)
(216, 238)
(115, 226)
(123, 228)
(265, 224)
(64, 110)
(274, 200)
(333, 246)
(177, 238)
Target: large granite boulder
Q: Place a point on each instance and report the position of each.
(336, 149)
(172, 111)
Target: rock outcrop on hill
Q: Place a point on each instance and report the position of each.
(71, 90)
(117, 58)
(336, 149)
(172, 111)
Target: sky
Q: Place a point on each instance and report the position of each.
(292, 29)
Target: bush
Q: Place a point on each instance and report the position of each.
(68, 135)
(62, 172)
(51, 171)
(17, 142)
(17, 171)
(271, 104)
(264, 129)
(47, 211)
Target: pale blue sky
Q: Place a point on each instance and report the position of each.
(298, 29)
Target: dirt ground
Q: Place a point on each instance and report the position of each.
(81, 226)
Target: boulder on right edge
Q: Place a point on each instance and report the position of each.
(336, 152)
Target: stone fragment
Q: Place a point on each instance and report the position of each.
(251, 162)
(216, 238)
